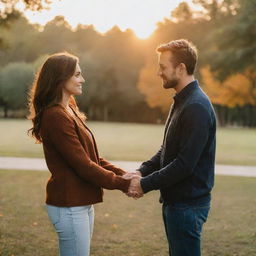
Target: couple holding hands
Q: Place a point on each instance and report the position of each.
(182, 169)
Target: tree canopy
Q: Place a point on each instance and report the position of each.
(120, 70)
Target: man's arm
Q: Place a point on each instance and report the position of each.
(151, 165)
(194, 135)
(145, 169)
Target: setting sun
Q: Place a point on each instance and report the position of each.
(144, 32)
(140, 16)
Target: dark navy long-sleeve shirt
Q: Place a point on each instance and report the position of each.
(183, 168)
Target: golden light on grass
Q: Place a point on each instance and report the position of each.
(142, 235)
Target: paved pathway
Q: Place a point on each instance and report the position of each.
(38, 164)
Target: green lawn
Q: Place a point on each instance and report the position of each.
(134, 142)
(124, 226)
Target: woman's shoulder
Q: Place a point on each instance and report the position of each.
(55, 113)
(54, 109)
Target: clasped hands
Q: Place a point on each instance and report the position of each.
(135, 191)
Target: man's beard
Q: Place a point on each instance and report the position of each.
(172, 83)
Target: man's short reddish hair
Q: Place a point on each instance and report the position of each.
(183, 51)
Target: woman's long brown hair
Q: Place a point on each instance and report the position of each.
(46, 90)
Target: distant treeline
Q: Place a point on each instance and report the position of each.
(120, 69)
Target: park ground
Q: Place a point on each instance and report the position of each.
(131, 142)
(124, 226)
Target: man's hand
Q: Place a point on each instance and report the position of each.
(135, 189)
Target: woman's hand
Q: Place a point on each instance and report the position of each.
(130, 175)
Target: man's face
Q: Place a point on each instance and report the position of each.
(167, 71)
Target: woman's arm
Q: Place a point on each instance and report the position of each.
(60, 130)
(107, 165)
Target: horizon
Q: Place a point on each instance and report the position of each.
(104, 15)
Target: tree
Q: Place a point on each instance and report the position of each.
(236, 48)
(119, 50)
(236, 43)
(15, 79)
(216, 9)
(234, 90)
(182, 13)
(57, 36)
(8, 12)
(234, 93)
(150, 85)
(23, 48)
(35, 5)
(102, 94)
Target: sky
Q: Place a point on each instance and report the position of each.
(139, 15)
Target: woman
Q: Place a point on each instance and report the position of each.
(78, 173)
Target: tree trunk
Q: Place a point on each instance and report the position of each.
(91, 113)
(5, 111)
(105, 113)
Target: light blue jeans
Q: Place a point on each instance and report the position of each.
(74, 226)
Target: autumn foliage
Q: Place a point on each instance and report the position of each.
(235, 90)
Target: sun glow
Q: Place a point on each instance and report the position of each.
(144, 32)
(140, 16)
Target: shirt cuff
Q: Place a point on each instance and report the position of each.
(143, 170)
(146, 184)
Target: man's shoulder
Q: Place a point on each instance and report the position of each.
(199, 103)
(198, 96)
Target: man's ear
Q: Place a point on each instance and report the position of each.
(182, 68)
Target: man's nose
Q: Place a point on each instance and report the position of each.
(159, 72)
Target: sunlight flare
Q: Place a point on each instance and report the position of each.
(140, 16)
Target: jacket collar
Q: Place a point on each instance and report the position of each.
(182, 95)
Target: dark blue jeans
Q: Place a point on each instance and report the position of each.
(183, 226)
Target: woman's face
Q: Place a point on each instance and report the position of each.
(74, 85)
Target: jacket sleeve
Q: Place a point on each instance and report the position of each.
(194, 136)
(151, 165)
(62, 134)
(107, 165)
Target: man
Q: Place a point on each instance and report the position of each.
(183, 168)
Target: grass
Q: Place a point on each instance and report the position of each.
(131, 142)
(124, 226)
(236, 146)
